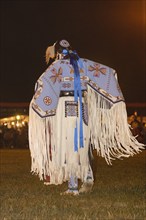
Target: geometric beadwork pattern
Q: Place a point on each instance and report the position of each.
(85, 113)
(71, 108)
(47, 100)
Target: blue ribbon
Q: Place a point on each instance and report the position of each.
(74, 59)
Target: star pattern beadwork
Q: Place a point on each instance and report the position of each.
(57, 75)
(97, 70)
(72, 70)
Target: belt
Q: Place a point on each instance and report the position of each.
(70, 93)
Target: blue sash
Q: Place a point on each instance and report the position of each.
(77, 94)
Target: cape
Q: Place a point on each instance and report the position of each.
(53, 119)
(60, 77)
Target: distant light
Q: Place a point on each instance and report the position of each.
(5, 124)
(12, 123)
(17, 124)
(18, 117)
(23, 123)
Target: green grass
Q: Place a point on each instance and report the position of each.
(118, 193)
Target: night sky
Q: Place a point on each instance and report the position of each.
(109, 32)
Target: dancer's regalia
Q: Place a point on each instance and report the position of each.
(77, 104)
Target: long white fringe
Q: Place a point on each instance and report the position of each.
(109, 129)
(57, 133)
(51, 139)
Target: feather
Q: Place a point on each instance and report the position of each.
(50, 53)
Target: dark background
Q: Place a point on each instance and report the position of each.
(109, 32)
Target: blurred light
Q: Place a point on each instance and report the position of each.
(13, 123)
(18, 117)
(23, 123)
(17, 124)
(9, 126)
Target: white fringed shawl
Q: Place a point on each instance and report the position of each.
(51, 139)
(109, 129)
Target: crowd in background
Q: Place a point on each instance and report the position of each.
(138, 129)
(18, 137)
(14, 137)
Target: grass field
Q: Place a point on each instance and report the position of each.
(118, 193)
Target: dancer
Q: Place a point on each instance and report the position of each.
(77, 106)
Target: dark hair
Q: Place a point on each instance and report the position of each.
(59, 48)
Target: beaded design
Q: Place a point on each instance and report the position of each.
(71, 108)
